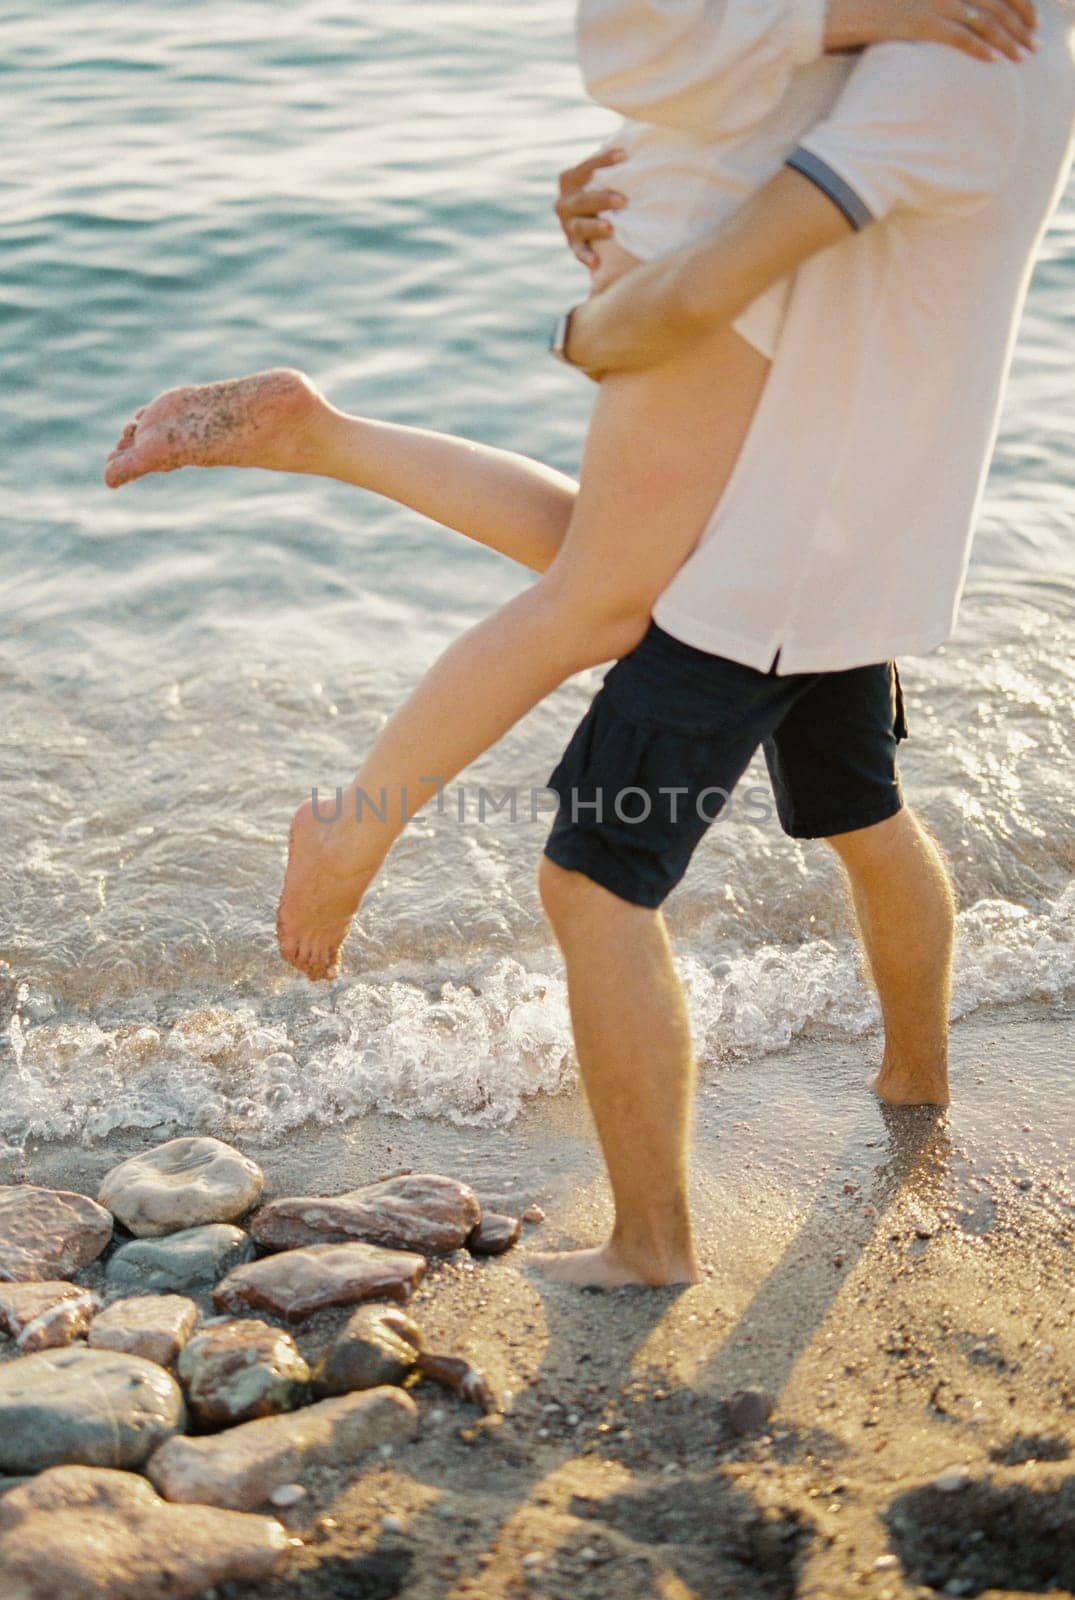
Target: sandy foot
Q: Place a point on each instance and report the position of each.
(258, 421)
(328, 872)
(603, 1268)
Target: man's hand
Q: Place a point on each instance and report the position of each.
(579, 207)
(981, 28)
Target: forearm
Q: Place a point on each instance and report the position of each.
(653, 311)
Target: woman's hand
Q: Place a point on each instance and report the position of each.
(579, 207)
(980, 28)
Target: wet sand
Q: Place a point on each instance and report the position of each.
(900, 1283)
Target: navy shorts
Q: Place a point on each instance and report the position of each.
(668, 737)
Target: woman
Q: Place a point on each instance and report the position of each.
(716, 95)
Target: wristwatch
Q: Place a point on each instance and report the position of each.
(561, 333)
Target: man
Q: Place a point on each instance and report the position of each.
(912, 214)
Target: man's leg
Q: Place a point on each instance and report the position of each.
(906, 916)
(634, 1049)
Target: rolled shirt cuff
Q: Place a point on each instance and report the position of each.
(837, 188)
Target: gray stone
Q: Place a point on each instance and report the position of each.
(90, 1533)
(45, 1316)
(419, 1211)
(154, 1326)
(49, 1233)
(184, 1262)
(242, 1467)
(749, 1410)
(97, 1408)
(182, 1184)
(298, 1282)
(371, 1350)
(494, 1234)
(236, 1371)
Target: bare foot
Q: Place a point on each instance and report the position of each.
(901, 1088)
(329, 867)
(607, 1268)
(259, 421)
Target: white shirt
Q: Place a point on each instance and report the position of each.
(715, 94)
(844, 533)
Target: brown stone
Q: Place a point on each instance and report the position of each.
(91, 1533)
(298, 1282)
(236, 1371)
(241, 1467)
(379, 1345)
(154, 1326)
(49, 1233)
(452, 1372)
(494, 1234)
(185, 1183)
(45, 1316)
(419, 1211)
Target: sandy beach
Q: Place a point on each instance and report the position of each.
(899, 1283)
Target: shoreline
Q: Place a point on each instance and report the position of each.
(900, 1283)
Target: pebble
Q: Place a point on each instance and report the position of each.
(154, 1326)
(749, 1410)
(417, 1211)
(96, 1408)
(288, 1494)
(49, 1233)
(372, 1349)
(297, 1282)
(98, 1534)
(235, 1371)
(885, 1563)
(533, 1214)
(191, 1260)
(241, 1467)
(392, 1524)
(952, 1479)
(494, 1234)
(452, 1372)
(45, 1316)
(185, 1183)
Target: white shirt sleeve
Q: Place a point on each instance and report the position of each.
(708, 66)
(918, 127)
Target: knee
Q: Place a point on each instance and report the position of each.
(562, 892)
(575, 904)
(593, 621)
(868, 849)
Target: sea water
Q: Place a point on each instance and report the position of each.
(191, 192)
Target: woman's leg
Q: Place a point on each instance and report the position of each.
(279, 420)
(661, 446)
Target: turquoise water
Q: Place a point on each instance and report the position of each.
(193, 192)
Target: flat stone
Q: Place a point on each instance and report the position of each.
(242, 1467)
(184, 1262)
(298, 1282)
(494, 1234)
(371, 1350)
(90, 1533)
(182, 1184)
(419, 1211)
(45, 1316)
(236, 1371)
(49, 1233)
(154, 1326)
(96, 1408)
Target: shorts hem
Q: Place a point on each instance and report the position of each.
(576, 856)
(848, 823)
